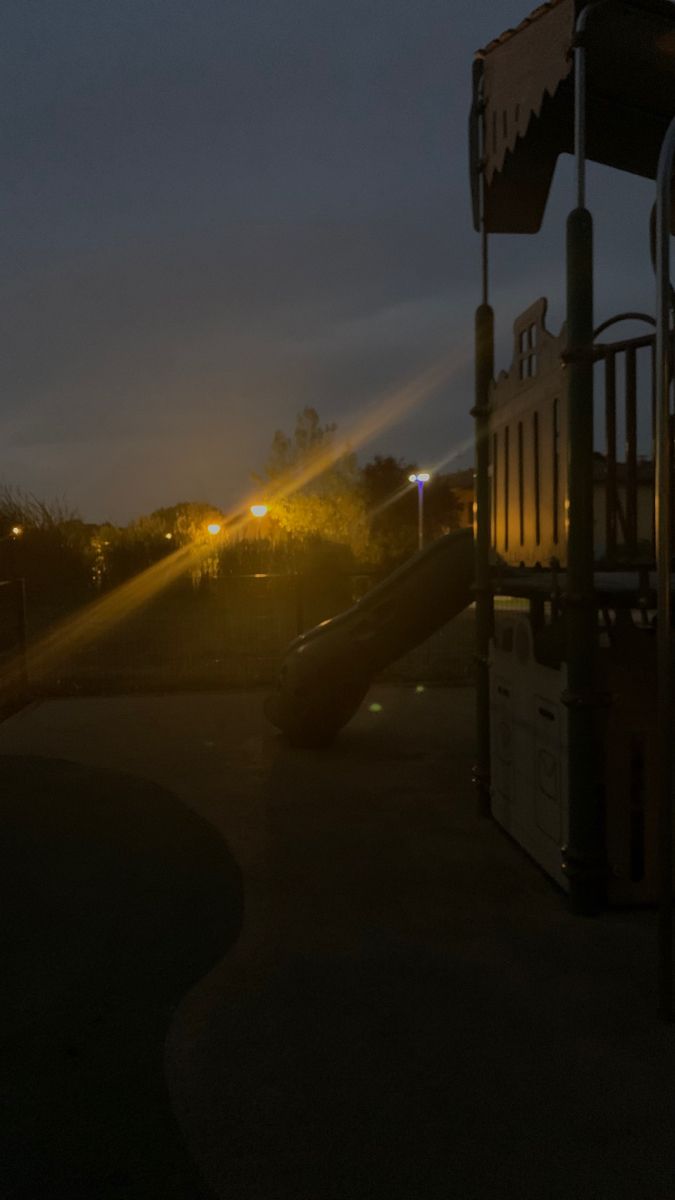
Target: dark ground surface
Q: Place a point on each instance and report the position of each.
(409, 1012)
(115, 899)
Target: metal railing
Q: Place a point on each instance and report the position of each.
(624, 476)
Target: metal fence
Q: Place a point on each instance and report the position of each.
(13, 675)
(228, 632)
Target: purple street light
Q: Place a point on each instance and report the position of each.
(420, 478)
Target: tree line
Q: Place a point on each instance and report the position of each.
(322, 505)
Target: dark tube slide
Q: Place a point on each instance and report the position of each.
(327, 671)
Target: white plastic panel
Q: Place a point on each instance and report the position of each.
(528, 731)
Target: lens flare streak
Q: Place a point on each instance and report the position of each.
(97, 618)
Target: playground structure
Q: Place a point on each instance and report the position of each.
(574, 712)
(574, 692)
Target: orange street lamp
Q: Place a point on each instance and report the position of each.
(258, 511)
(213, 529)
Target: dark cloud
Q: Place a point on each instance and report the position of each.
(215, 214)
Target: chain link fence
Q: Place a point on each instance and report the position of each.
(228, 632)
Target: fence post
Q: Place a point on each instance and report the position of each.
(299, 604)
(22, 637)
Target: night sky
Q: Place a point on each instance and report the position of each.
(215, 212)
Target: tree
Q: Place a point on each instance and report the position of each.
(391, 503)
(123, 552)
(18, 507)
(391, 506)
(313, 487)
(292, 453)
(186, 522)
(52, 553)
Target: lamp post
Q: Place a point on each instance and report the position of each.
(258, 511)
(9, 557)
(420, 478)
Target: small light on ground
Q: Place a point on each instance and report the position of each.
(17, 530)
(419, 688)
(213, 529)
(375, 707)
(168, 536)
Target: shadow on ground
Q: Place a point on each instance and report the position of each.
(116, 899)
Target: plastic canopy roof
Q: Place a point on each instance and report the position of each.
(526, 77)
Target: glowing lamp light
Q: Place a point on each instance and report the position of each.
(17, 530)
(168, 536)
(259, 510)
(420, 478)
(213, 529)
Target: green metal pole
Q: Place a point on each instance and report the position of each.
(483, 590)
(583, 857)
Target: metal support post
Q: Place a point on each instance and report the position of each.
(484, 373)
(584, 855)
(584, 859)
(483, 588)
(664, 554)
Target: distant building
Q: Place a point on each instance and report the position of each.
(462, 485)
